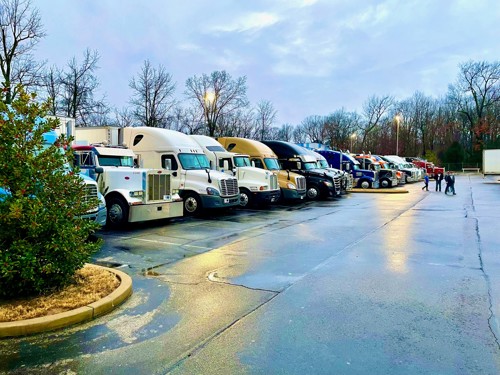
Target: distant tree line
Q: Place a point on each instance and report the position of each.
(453, 128)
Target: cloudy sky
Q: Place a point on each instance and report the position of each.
(308, 57)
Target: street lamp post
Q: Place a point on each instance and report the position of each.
(397, 119)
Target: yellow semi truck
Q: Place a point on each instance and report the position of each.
(292, 185)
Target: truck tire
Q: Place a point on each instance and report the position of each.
(245, 198)
(365, 184)
(385, 183)
(313, 193)
(117, 212)
(192, 204)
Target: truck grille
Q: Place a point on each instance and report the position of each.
(300, 181)
(91, 193)
(228, 187)
(158, 187)
(337, 183)
(274, 182)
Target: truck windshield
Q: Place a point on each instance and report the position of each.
(323, 164)
(194, 161)
(309, 165)
(115, 161)
(272, 164)
(242, 161)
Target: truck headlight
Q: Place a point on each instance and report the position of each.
(291, 186)
(328, 183)
(136, 194)
(264, 187)
(212, 191)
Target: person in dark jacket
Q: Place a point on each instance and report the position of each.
(438, 177)
(450, 183)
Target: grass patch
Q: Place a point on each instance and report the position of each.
(89, 285)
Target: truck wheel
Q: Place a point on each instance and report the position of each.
(117, 212)
(385, 183)
(245, 198)
(192, 204)
(312, 192)
(365, 184)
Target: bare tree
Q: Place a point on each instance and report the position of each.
(186, 120)
(78, 87)
(21, 29)
(152, 95)
(373, 111)
(265, 115)
(285, 133)
(476, 91)
(51, 83)
(340, 126)
(217, 95)
(314, 128)
(124, 117)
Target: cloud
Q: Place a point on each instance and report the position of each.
(250, 22)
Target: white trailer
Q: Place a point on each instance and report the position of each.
(131, 194)
(257, 186)
(105, 135)
(491, 161)
(198, 186)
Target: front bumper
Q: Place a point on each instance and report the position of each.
(266, 197)
(212, 201)
(292, 194)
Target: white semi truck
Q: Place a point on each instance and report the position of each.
(491, 162)
(257, 186)
(131, 194)
(198, 185)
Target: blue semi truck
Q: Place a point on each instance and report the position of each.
(363, 178)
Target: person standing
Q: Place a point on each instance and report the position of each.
(438, 177)
(452, 183)
(426, 182)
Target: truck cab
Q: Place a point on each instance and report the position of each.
(411, 172)
(342, 180)
(319, 183)
(292, 185)
(131, 194)
(257, 186)
(386, 176)
(198, 185)
(97, 214)
(363, 178)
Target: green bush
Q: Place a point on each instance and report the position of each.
(42, 240)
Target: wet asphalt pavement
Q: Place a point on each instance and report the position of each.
(363, 284)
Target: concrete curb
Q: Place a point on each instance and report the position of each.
(67, 318)
(394, 190)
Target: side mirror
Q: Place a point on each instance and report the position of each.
(167, 164)
(99, 169)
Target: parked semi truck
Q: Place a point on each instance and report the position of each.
(344, 177)
(198, 185)
(491, 162)
(131, 194)
(363, 178)
(320, 184)
(386, 177)
(257, 186)
(412, 173)
(292, 185)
